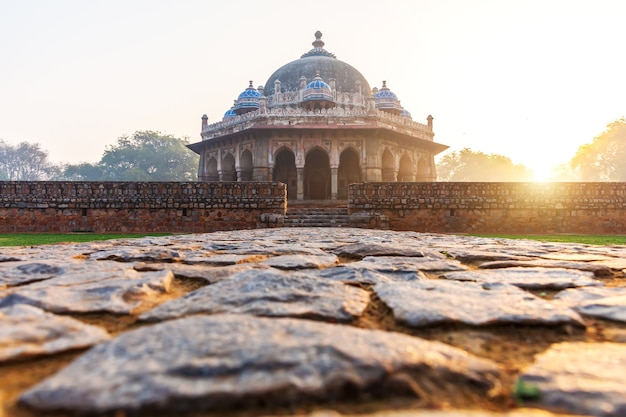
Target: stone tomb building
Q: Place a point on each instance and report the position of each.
(317, 126)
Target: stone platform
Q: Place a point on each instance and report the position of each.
(318, 322)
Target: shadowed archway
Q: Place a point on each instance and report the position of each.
(349, 172)
(406, 170)
(285, 171)
(388, 167)
(317, 175)
(228, 168)
(245, 166)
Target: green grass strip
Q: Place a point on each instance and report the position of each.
(602, 240)
(33, 239)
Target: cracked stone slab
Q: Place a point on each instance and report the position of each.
(429, 302)
(401, 263)
(223, 259)
(135, 254)
(610, 308)
(302, 261)
(355, 275)
(269, 293)
(372, 273)
(360, 250)
(20, 273)
(598, 269)
(581, 378)
(27, 331)
(579, 256)
(613, 263)
(576, 296)
(92, 287)
(521, 412)
(470, 256)
(529, 278)
(265, 247)
(4, 258)
(205, 362)
(211, 274)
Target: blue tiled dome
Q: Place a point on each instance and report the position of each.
(230, 113)
(406, 113)
(386, 100)
(248, 100)
(317, 90)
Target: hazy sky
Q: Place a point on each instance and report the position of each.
(530, 79)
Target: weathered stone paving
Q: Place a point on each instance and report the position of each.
(202, 362)
(429, 302)
(269, 293)
(530, 278)
(585, 378)
(318, 322)
(92, 287)
(27, 331)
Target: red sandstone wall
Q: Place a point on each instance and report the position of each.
(178, 207)
(588, 208)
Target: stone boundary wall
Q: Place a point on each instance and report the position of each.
(470, 207)
(176, 207)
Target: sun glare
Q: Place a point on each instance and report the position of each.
(542, 174)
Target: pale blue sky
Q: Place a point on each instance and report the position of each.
(530, 79)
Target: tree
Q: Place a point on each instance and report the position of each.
(144, 156)
(468, 165)
(604, 158)
(24, 162)
(84, 171)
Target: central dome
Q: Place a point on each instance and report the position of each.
(320, 62)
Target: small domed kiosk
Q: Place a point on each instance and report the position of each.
(317, 126)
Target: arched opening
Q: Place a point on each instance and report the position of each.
(212, 174)
(317, 175)
(285, 172)
(228, 168)
(349, 172)
(245, 166)
(423, 170)
(406, 173)
(389, 167)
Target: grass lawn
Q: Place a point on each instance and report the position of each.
(32, 239)
(588, 239)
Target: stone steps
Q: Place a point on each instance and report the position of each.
(317, 217)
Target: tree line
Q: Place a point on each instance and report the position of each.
(153, 156)
(603, 159)
(143, 156)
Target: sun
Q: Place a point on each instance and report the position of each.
(543, 173)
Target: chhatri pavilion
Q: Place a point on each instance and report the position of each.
(317, 126)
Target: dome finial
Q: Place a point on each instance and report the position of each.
(318, 43)
(318, 48)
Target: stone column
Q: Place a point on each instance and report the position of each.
(333, 183)
(372, 170)
(261, 174)
(300, 174)
(202, 167)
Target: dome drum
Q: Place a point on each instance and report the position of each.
(247, 101)
(386, 100)
(317, 95)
